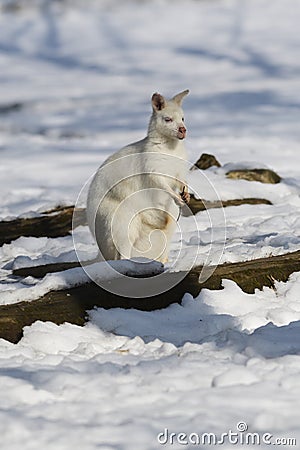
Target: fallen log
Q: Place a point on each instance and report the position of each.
(54, 223)
(261, 175)
(196, 205)
(58, 222)
(206, 161)
(71, 305)
(41, 271)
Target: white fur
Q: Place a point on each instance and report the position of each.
(133, 201)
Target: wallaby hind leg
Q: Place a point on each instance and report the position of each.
(153, 243)
(112, 241)
(150, 244)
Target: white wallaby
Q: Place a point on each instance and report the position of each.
(135, 196)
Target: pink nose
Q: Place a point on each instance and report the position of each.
(182, 130)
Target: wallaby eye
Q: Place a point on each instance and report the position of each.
(182, 119)
(168, 119)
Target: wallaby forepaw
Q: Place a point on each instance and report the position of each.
(179, 201)
(185, 195)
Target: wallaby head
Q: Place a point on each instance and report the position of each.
(167, 119)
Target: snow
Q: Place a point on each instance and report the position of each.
(75, 85)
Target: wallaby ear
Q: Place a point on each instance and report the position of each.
(179, 97)
(158, 102)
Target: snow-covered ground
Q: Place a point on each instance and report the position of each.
(76, 80)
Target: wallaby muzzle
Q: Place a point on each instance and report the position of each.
(181, 132)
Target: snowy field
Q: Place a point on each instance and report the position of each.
(76, 80)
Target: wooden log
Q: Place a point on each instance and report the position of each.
(206, 161)
(58, 222)
(261, 175)
(41, 271)
(54, 223)
(71, 305)
(196, 205)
